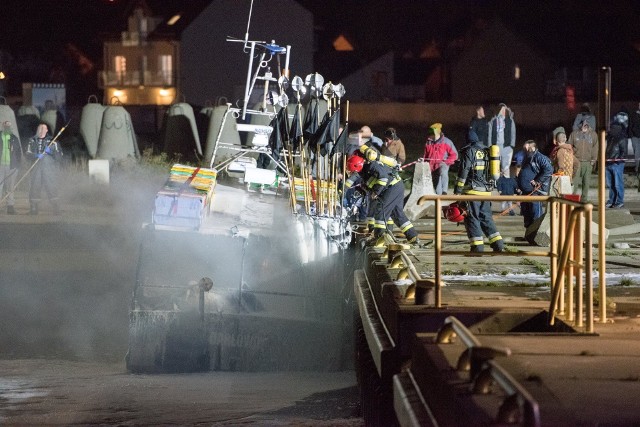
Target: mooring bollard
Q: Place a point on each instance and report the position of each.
(425, 292)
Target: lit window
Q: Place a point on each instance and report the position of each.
(173, 19)
(516, 72)
(165, 69)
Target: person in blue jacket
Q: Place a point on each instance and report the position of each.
(534, 179)
(616, 154)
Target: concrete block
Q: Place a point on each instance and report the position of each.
(99, 170)
(615, 218)
(625, 230)
(539, 233)
(422, 184)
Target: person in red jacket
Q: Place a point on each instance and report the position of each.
(440, 152)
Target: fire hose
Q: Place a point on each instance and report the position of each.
(536, 187)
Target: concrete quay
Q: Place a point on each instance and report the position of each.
(519, 370)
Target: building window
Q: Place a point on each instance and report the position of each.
(120, 64)
(120, 67)
(165, 69)
(516, 72)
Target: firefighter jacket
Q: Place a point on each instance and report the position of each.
(375, 177)
(473, 170)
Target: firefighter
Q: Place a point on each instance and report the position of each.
(387, 195)
(473, 179)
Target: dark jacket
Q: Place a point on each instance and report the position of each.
(536, 167)
(634, 124)
(616, 150)
(15, 148)
(481, 127)
(474, 161)
(37, 146)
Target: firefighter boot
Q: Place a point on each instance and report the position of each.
(498, 246)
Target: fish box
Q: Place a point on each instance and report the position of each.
(179, 209)
(185, 198)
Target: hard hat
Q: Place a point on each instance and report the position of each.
(355, 163)
(455, 213)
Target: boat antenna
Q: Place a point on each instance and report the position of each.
(246, 34)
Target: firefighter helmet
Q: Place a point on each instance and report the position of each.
(355, 163)
(455, 212)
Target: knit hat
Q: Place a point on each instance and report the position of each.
(366, 132)
(435, 127)
(558, 130)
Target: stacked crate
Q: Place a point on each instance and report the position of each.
(185, 197)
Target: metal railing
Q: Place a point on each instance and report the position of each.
(135, 78)
(570, 234)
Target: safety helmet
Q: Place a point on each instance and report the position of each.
(355, 163)
(455, 213)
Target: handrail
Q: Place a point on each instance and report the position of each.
(563, 255)
(564, 261)
(568, 257)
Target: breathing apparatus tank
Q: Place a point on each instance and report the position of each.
(494, 164)
(373, 155)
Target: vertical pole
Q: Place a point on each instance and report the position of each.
(554, 251)
(562, 272)
(286, 61)
(580, 270)
(588, 268)
(437, 255)
(571, 234)
(248, 85)
(604, 112)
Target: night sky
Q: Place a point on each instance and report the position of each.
(59, 35)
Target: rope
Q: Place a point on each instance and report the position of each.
(504, 212)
